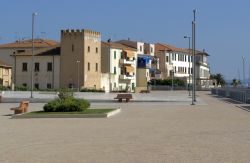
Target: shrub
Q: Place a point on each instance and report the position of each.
(69, 104)
(177, 82)
(65, 93)
(21, 88)
(3, 88)
(91, 90)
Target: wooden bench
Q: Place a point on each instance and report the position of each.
(123, 96)
(145, 91)
(22, 108)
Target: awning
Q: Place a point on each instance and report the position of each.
(129, 69)
(130, 54)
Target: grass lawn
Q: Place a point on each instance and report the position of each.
(87, 111)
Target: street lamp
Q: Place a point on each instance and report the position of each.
(249, 74)
(78, 80)
(32, 58)
(193, 51)
(172, 76)
(189, 74)
(244, 80)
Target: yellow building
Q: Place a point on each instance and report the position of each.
(46, 68)
(5, 74)
(80, 64)
(21, 46)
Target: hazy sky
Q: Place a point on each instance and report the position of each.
(223, 26)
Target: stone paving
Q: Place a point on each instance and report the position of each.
(143, 132)
(154, 96)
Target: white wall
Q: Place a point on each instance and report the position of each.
(140, 48)
(152, 53)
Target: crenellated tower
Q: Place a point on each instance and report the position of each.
(80, 58)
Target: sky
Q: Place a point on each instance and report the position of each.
(223, 26)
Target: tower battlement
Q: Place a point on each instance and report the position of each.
(80, 32)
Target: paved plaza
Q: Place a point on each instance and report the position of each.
(146, 131)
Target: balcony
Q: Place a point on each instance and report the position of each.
(127, 61)
(126, 77)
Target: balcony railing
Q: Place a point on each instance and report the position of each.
(127, 61)
(129, 77)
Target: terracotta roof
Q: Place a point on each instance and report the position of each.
(38, 43)
(50, 51)
(3, 64)
(182, 50)
(132, 44)
(118, 46)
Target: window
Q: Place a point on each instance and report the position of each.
(88, 66)
(96, 50)
(114, 54)
(96, 67)
(133, 86)
(24, 84)
(36, 86)
(151, 49)
(36, 66)
(6, 72)
(72, 47)
(25, 67)
(20, 51)
(166, 58)
(88, 48)
(49, 66)
(122, 55)
(114, 70)
(49, 86)
(140, 48)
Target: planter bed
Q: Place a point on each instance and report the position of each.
(89, 113)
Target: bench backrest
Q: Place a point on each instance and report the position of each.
(24, 104)
(124, 95)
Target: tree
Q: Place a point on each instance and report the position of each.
(219, 78)
(235, 82)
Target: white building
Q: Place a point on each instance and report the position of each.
(118, 67)
(46, 68)
(147, 63)
(178, 61)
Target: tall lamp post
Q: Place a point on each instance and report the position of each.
(78, 76)
(244, 79)
(32, 58)
(193, 54)
(249, 74)
(189, 74)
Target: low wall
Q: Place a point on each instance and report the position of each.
(139, 89)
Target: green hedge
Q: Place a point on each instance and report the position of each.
(67, 105)
(91, 90)
(176, 82)
(3, 88)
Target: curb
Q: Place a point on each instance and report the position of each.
(28, 116)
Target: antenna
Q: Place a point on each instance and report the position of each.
(43, 35)
(238, 74)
